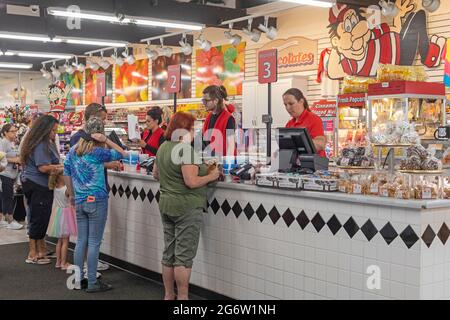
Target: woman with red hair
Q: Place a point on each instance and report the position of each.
(183, 180)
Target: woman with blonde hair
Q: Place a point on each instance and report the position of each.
(85, 180)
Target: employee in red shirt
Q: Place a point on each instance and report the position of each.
(153, 135)
(220, 118)
(302, 117)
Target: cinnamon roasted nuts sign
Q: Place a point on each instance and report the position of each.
(294, 54)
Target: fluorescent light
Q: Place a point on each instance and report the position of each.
(315, 3)
(99, 43)
(42, 55)
(14, 36)
(8, 53)
(125, 20)
(16, 65)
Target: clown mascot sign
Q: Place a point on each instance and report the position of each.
(57, 94)
(359, 45)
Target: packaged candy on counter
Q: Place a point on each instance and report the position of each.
(388, 73)
(353, 84)
(320, 181)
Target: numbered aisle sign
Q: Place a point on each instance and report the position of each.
(174, 79)
(267, 66)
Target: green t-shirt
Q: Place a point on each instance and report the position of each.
(176, 198)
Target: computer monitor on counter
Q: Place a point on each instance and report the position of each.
(297, 152)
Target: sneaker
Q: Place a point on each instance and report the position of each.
(3, 224)
(102, 266)
(14, 226)
(99, 275)
(99, 286)
(83, 285)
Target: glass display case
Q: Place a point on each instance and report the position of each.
(351, 126)
(427, 112)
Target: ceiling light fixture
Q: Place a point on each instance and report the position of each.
(315, 3)
(55, 72)
(234, 39)
(165, 51)
(99, 43)
(254, 34)
(104, 64)
(204, 44)
(45, 73)
(186, 48)
(69, 68)
(92, 65)
(19, 36)
(118, 59)
(123, 19)
(128, 57)
(41, 55)
(16, 65)
(152, 54)
(270, 32)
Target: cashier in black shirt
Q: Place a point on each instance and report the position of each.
(153, 135)
(222, 139)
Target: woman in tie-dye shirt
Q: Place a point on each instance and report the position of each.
(85, 180)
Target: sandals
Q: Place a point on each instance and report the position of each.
(67, 266)
(40, 261)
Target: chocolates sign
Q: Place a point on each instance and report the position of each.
(324, 108)
(294, 54)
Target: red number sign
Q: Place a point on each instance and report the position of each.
(267, 66)
(174, 79)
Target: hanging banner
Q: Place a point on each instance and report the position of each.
(324, 108)
(267, 66)
(295, 54)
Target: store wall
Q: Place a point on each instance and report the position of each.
(32, 82)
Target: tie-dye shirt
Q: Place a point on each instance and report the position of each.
(87, 172)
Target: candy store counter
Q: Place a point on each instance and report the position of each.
(263, 243)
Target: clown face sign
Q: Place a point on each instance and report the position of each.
(57, 94)
(360, 43)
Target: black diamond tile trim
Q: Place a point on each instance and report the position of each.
(261, 213)
(237, 210)
(114, 190)
(318, 222)
(274, 215)
(207, 204)
(142, 194)
(428, 236)
(157, 195)
(302, 219)
(334, 224)
(135, 193)
(128, 192)
(351, 227)
(226, 208)
(369, 230)
(150, 195)
(388, 233)
(288, 217)
(249, 211)
(409, 237)
(443, 233)
(121, 191)
(109, 187)
(215, 206)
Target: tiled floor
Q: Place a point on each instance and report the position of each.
(13, 236)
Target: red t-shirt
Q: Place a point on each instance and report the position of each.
(310, 121)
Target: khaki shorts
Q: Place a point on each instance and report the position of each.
(181, 236)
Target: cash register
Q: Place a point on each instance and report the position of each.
(297, 153)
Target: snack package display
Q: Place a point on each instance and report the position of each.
(446, 188)
(388, 73)
(427, 187)
(394, 133)
(356, 157)
(353, 84)
(419, 158)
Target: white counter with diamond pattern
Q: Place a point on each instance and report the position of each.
(259, 243)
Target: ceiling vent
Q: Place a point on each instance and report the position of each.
(32, 11)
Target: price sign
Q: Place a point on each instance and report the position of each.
(101, 85)
(267, 66)
(174, 79)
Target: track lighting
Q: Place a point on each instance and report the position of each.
(129, 58)
(254, 35)
(47, 75)
(204, 44)
(55, 72)
(104, 64)
(118, 59)
(165, 51)
(270, 32)
(234, 39)
(186, 48)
